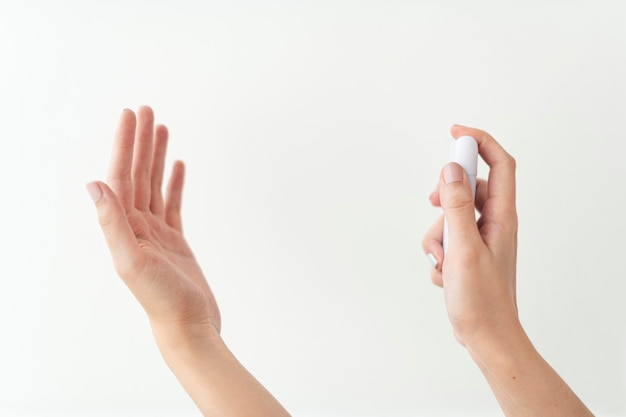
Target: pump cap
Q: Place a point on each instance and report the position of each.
(464, 151)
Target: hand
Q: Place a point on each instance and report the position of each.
(145, 237)
(478, 278)
(144, 231)
(478, 271)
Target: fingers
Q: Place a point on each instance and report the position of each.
(456, 199)
(142, 158)
(174, 196)
(137, 162)
(434, 198)
(481, 194)
(119, 175)
(432, 241)
(117, 231)
(494, 198)
(479, 200)
(157, 206)
(501, 190)
(432, 246)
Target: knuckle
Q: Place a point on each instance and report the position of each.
(458, 200)
(436, 278)
(128, 267)
(510, 162)
(105, 217)
(509, 227)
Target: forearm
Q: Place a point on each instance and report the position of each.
(523, 382)
(216, 381)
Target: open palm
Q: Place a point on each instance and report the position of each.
(144, 230)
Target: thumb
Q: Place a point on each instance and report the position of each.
(457, 203)
(117, 231)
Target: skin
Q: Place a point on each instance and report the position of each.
(143, 230)
(478, 277)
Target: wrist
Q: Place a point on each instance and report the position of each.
(503, 353)
(212, 376)
(173, 337)
(523, 382)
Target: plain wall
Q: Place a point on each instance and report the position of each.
(313, 133)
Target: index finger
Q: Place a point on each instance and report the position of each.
(119, 175)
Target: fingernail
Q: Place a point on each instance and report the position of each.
(433, 261)
(94, 190)
(452, 173)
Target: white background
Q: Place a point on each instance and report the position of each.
(313, 133)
